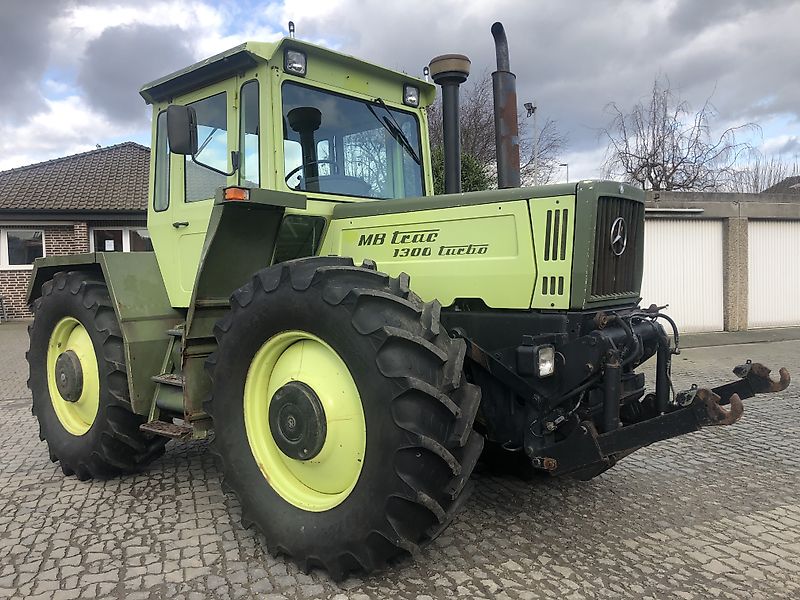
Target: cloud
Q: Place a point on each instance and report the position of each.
(572, 59)
(63, 127)
(118, 62)
(791, 146)
(24, 54)
(782, 146)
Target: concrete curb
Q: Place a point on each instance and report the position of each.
(730, 338)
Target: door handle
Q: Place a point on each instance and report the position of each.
(179, 224)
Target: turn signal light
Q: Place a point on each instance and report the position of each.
(237, 193)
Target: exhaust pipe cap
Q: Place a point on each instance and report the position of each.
(447, 66)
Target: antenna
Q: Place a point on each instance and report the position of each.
(291, 29)
(426, 72)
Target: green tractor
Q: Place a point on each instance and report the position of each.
(352, 340)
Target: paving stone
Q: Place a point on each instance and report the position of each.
(714, 514)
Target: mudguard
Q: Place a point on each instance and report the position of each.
(140, 303)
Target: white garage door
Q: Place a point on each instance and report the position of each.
(773, 268)
(683, 268)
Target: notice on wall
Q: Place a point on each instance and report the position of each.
(109, 245)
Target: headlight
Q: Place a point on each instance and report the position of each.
(294, 62)
(545, 361)
(411, 95)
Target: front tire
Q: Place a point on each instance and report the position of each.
(78, 380)
(373, 454)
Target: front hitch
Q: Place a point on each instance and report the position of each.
(587, 452)
(754, 379)
(717, 415)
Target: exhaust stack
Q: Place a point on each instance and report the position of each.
(506, 129)
(450, 71)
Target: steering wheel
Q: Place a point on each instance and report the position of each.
(308, 164)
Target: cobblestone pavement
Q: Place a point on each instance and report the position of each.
(712, 514)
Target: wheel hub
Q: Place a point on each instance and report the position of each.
(297, 421)
(73, 377)
(69, 376)
(304, 420)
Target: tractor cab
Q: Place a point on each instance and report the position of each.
(286, 116)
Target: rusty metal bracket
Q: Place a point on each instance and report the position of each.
(755, 379)
(717, 415)
(759, 377)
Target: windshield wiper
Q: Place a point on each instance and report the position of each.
(394, 129)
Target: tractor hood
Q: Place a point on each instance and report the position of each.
(547, 247)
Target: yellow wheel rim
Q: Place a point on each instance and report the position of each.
(78, 416)
(324, 481)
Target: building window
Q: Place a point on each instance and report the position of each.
(20, 247)
(107, 240)
(120, 239)
(140, 240)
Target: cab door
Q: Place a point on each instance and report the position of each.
(180, 228)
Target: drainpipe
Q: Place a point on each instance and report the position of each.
(450, 71)
(506, 129)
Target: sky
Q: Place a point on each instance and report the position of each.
(73, 68)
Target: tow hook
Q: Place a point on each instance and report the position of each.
(718, 415)
(754, 379)
(757, 375)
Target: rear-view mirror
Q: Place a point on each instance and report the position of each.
(182, 129)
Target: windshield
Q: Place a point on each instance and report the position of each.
(340, 145)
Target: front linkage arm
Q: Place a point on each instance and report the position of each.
(754, 379)
(585, 451)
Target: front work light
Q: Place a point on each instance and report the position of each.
(294, 62)
(411, 95)
(545, 360)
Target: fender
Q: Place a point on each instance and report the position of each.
(140, 302)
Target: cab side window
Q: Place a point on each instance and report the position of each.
(161, 183)
(212, 148)
(248, 144)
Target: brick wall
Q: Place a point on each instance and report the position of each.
(58, 241)
(13, 286)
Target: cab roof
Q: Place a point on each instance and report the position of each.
(248, 55)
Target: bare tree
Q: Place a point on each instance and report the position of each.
(763, 173)
(540, 150)
(661, 144)
(540, 147)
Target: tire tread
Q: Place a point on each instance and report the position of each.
(121, 448)
(385, 309)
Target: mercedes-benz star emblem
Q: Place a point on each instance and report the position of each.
(619, 236)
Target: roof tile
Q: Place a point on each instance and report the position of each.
(111, 178)
(790, 185)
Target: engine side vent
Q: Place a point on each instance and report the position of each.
(552, 286)
(555, 236)
(553, 224)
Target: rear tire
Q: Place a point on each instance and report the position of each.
(417, 412)
(97, 435)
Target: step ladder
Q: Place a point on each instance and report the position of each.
(168, 395)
